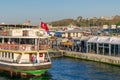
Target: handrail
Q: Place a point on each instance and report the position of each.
(23, 47)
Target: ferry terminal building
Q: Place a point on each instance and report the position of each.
(104, 45)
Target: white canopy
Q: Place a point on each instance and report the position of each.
(104, 39)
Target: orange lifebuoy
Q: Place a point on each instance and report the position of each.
(11, 47)
(23, 47)
(5, 46)
(40, 54)
(16, 47)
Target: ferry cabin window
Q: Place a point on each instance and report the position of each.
(0, 40)
(12, 55)
(11, 40)
(8, 55)
(6, 40)
(27, 41)
(25, 33)
(5, 54)
(16, 40)
(2, 54)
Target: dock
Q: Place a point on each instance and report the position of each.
(87, 56)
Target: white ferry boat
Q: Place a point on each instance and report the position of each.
(24, 49)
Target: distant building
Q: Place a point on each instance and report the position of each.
(72, 33)
(106, 18)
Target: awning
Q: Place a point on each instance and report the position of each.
(104, 39)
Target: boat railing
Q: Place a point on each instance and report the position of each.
(24, 61)
(6, 59)
(23, 47)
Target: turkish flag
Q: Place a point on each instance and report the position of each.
(44, 26)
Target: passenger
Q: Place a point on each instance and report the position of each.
(34, 59)
(11, 42)
(46, 60)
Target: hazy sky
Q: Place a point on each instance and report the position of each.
(17, 11)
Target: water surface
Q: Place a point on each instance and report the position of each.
(75, 69)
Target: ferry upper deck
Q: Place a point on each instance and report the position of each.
(23, 37)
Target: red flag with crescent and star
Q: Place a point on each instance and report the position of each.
(44, 26)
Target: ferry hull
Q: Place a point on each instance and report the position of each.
(32, 70)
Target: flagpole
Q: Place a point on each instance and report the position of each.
(40, 24)
(39, 35)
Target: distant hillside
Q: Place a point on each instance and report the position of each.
(81, 22)
(64, 22)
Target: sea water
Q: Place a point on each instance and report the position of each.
(74, 69)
